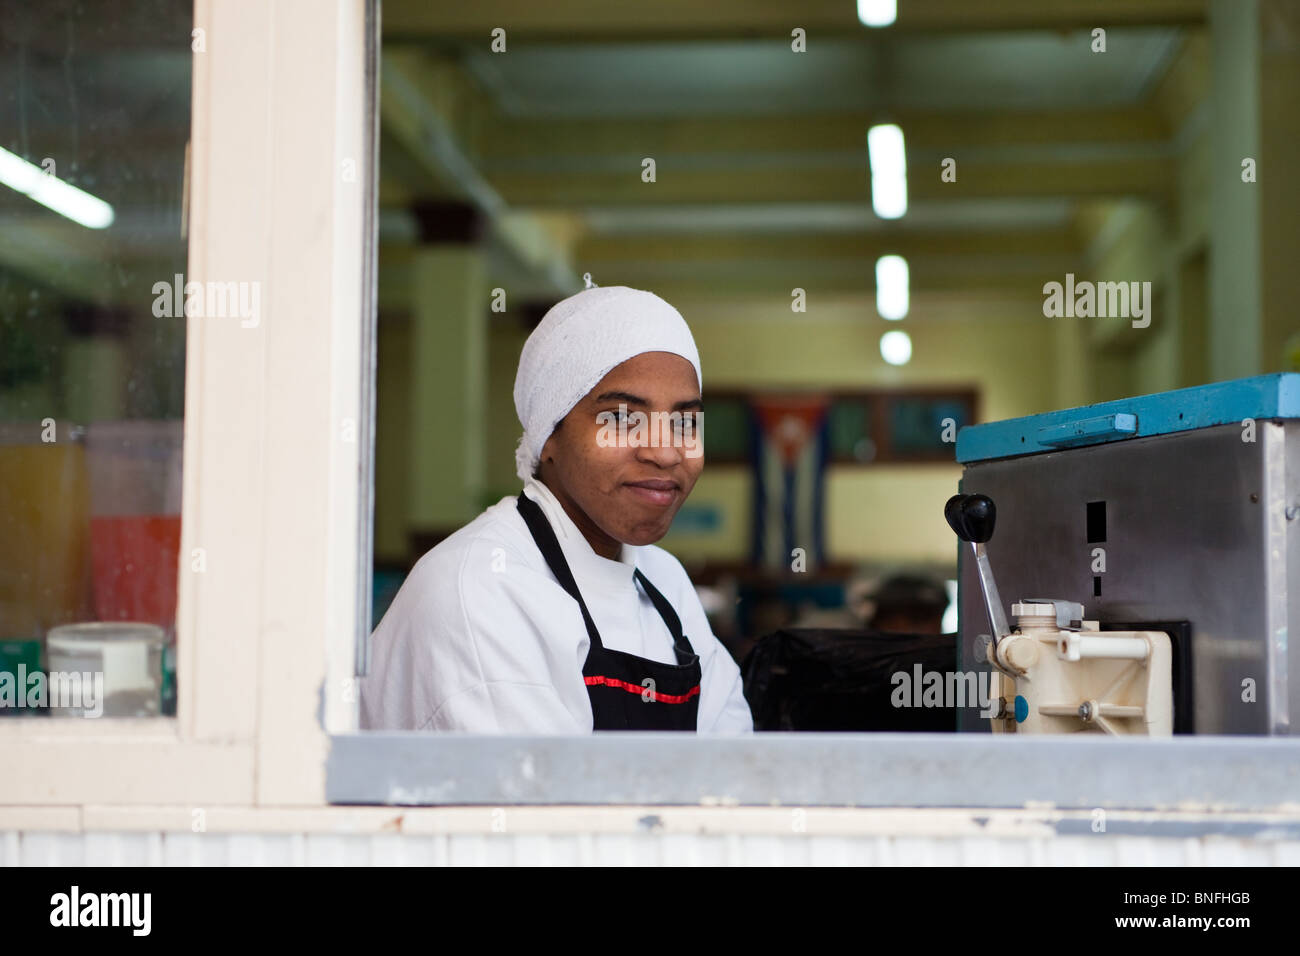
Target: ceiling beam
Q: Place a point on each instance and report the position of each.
(1014, 262)
(1149, 177)
(675, 20)
(1018, 277)
(1186, 84)
(944, 133)
(853, 247)
(429, 107)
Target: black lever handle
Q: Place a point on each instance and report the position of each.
(952, 512)
(972, 517)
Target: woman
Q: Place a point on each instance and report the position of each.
(553, 611)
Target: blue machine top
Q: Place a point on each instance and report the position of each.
(1263, 396)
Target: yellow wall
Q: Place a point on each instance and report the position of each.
(1001, 347)
(884, 513)
(1143, 241)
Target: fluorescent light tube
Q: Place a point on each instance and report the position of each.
(892, 279)
(888, 158)
(877, 13)
(896, 347)
(53, 193)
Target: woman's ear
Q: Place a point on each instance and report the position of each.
(548, 447)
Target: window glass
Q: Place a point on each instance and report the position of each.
(94, 125)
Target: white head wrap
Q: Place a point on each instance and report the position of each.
(577, 343)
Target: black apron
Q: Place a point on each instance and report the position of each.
(627, 692)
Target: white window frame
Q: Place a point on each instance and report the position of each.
(273, 436)
(267, 634)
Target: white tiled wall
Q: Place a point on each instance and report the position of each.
(37, 848)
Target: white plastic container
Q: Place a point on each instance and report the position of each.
(107, 669)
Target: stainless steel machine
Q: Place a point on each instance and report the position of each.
(1172, 514)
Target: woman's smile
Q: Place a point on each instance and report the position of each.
(655, 491)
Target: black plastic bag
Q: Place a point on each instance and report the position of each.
(822, 679)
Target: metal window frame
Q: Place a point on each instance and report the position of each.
(1238, 774)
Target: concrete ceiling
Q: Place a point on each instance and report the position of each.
(1005, 71)
(761, 156)
(762, 167)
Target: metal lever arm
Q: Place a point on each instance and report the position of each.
(992, 601)
(973, 517)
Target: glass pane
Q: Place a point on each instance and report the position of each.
(850, 431)
(917, 424)
(726, 429)
(94, 125)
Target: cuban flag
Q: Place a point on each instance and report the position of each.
(791, 447)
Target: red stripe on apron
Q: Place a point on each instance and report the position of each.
(638, 689)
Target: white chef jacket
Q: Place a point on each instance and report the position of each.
(482, 638)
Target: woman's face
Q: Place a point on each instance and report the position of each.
(621, 483)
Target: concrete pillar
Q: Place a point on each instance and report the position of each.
(1254, 244)
(96, 369)
(448, 369)
(1234, 332)
(1192, 309)
(1279, 130)
(1073, 363)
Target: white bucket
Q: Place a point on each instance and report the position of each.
(108, 669)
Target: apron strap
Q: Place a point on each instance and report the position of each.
(549, 545)
(680, 642)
